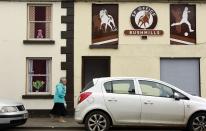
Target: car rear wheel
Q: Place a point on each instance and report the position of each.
(97, 121)
(197, 122)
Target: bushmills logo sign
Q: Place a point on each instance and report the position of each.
(144, 20)
(143, 17)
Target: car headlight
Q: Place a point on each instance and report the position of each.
(6, 109)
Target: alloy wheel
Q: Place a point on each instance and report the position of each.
(199, 123)
(97, 122)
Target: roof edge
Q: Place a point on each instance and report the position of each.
(146, 1)
(33, 0)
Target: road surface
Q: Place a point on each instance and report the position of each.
(113, 129)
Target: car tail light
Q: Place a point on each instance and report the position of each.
(83, 96)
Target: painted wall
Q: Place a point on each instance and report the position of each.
(13, 52)
(136, 57)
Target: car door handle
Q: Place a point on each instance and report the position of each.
(112, 100)
(148, 102)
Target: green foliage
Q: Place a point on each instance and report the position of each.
(38, 84)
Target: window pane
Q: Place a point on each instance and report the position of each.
(123, 87)
(40, 29)
(108, 87)
(47, 30)
(166, 91)
(31, 13)
(150, 88)
(48, 13)
(40, 13)
(182, 96)
(39, 66)
(88, 86)
(32, 30)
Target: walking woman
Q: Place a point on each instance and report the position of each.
(59, 109)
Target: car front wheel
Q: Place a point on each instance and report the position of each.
(97, 121)
(197, 122)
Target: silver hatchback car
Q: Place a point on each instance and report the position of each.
(138, 102)
(12, 113)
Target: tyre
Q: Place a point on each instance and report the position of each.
(197, 122)
(97, 121)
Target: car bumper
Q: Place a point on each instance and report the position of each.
(78, 117)
(13, 119)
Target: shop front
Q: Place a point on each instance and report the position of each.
(162, 40)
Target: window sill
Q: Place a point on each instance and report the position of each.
(104, 46)
(47, 42)
(37, 96)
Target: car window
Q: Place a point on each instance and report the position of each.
(108, 87)
(183, 97)
(88, 86)
(120, 87)
(150, 88)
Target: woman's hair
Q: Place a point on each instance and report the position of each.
(61, 79)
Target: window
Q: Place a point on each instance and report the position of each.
(150, 88)
(88, 86)
(38, 75)
(39, 22)
(181, 96)
(120, 87)
(108, 87)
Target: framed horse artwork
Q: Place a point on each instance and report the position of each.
(104, 26)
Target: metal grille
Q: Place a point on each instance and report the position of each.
(20, 108)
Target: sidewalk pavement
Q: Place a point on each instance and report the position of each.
(45, 123)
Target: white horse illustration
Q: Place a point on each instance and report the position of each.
(107, 19)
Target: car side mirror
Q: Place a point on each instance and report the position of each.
(176, 96)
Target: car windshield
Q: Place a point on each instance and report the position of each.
(88, 86)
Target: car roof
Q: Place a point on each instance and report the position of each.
(125, 78)
(116, 78)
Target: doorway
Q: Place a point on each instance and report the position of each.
(95, 67)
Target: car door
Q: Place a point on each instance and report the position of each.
(158, 104)
(121, 101)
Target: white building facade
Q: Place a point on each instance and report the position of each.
(163, 40)
(30, 46)
(46, 39)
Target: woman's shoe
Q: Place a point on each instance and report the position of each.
(51, 116)
(61, 120)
